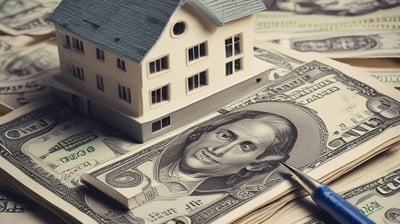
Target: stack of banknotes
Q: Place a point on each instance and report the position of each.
(335, 28)
(339, 123)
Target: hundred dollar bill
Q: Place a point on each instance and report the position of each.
(367, 15)
(317, 116)
(26, 16)
(330, 7)
(360, 182)
(346, 45)
(24, 71)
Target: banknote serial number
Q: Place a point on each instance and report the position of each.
(155, 216)
(76, 155)
(370, 207)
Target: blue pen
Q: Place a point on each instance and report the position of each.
(328, 200)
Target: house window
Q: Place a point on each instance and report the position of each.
(159, 65)
(78, 72)
(163, 123)
(233, 66)
(67, 41)
(197, 81)
(121, 64)
(160, 95)
(100, 54)
(179, 28)
(100, 82)
(124, 93)
(233, 45)
(77, 44)
(233, 50)
(197, 52)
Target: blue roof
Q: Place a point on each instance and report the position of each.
(130, 28)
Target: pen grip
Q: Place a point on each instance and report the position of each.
(339, 208)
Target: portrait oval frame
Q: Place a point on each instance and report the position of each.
(311, 133)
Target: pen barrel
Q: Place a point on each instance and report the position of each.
(339, 208)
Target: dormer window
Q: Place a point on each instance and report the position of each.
(178, 29)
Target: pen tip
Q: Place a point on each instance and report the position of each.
(304, 180)
(290, 168)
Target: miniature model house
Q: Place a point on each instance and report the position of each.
(146, 66)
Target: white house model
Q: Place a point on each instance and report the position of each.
(149, 66)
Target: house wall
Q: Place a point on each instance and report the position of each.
(112, 75)
(198, 29)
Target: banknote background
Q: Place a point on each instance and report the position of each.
(28, 56)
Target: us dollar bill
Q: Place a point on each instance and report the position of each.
(330, 7)
(346, 45)
(26, 16)
(293, 16)
(24, 71)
